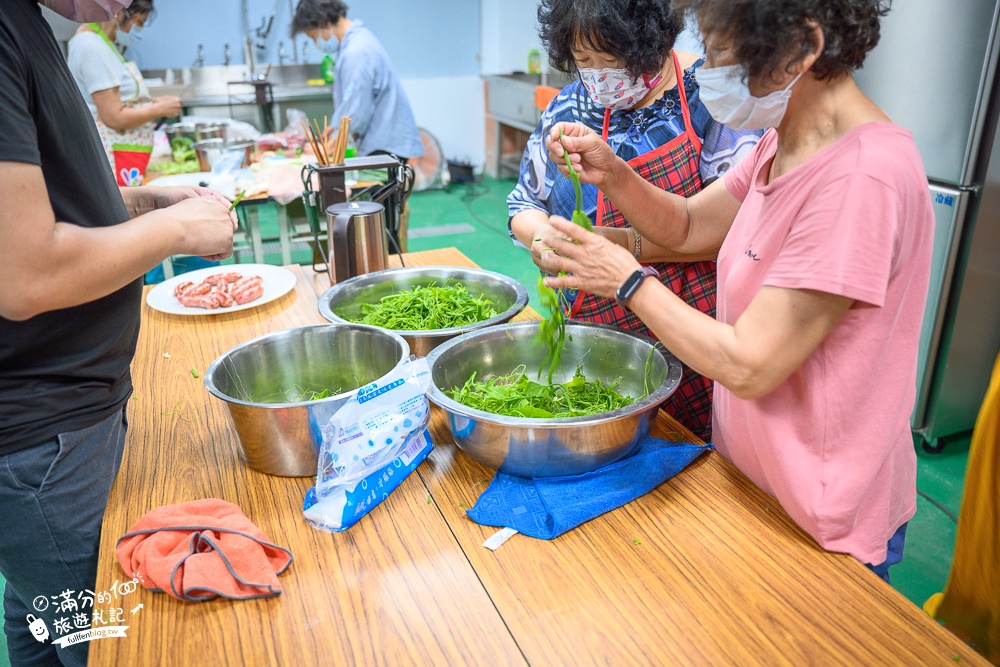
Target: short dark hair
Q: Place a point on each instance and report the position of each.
(639, 33)
(139, 7)
(317, 14)
(765, 33)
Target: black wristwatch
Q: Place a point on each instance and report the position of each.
(632, 283)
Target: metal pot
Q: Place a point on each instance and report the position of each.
(552, 447)
(283, 438)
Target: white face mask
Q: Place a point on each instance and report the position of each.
(130, 38)
(615, 88)
(329, 45)
(83, 11)
(728, 98)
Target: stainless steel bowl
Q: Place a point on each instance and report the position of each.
(551, 447)
(249, 149)
(284, 438)
(343, 301)
(203, 131)
(210, 150)
(176, 130)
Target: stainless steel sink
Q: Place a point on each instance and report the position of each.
(211, 85)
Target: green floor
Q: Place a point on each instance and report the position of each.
(474, 219)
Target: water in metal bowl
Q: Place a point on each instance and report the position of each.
(343, 301)
(256, 379)
(552, 447)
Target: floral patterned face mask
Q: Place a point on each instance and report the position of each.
(615, 88)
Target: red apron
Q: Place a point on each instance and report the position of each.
(672, 167)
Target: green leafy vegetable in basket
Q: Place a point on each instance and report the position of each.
(170, 168)
(185, 159)
(515, 395)
(426, 307)
(182, 150)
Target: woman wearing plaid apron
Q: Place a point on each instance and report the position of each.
(655, 123)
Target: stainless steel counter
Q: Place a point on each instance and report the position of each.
(213, 88)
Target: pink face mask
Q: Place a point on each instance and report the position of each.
(83, 11)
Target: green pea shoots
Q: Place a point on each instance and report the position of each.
(427, 307)
(579, 216)
(238, 199)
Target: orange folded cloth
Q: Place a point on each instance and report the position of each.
(201, 550)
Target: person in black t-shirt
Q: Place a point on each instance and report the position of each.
(73, 249)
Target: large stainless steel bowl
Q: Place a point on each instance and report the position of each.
(284, 438)
(551, 447)
(343, 301)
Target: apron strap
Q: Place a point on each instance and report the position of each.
(689, 128)
(96, 27)
(600, 195)
(136, 76)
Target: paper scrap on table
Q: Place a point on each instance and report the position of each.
(498, 538)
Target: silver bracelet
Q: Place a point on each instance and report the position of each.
(638, 243)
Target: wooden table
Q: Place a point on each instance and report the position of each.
(705, 570)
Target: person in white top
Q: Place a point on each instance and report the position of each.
(115, 91)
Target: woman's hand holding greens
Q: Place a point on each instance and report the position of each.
(594, 263)
(592, 158)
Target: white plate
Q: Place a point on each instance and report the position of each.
(278, 281)
(196, 178)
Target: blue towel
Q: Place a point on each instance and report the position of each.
(546, 507)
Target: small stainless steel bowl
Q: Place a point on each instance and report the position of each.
(249, 149)
(552, 447)
(186, 130)
(343, 301)
(203, 131)
(284, 438)
(210, 150)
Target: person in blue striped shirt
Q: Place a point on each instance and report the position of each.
(366, 87)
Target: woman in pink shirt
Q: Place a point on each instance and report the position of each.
(823, 238)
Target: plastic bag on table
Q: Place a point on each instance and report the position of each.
(284, 180)
(370, 446)
(271, 142)
(295, 136)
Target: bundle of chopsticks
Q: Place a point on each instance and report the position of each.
(328, 154)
